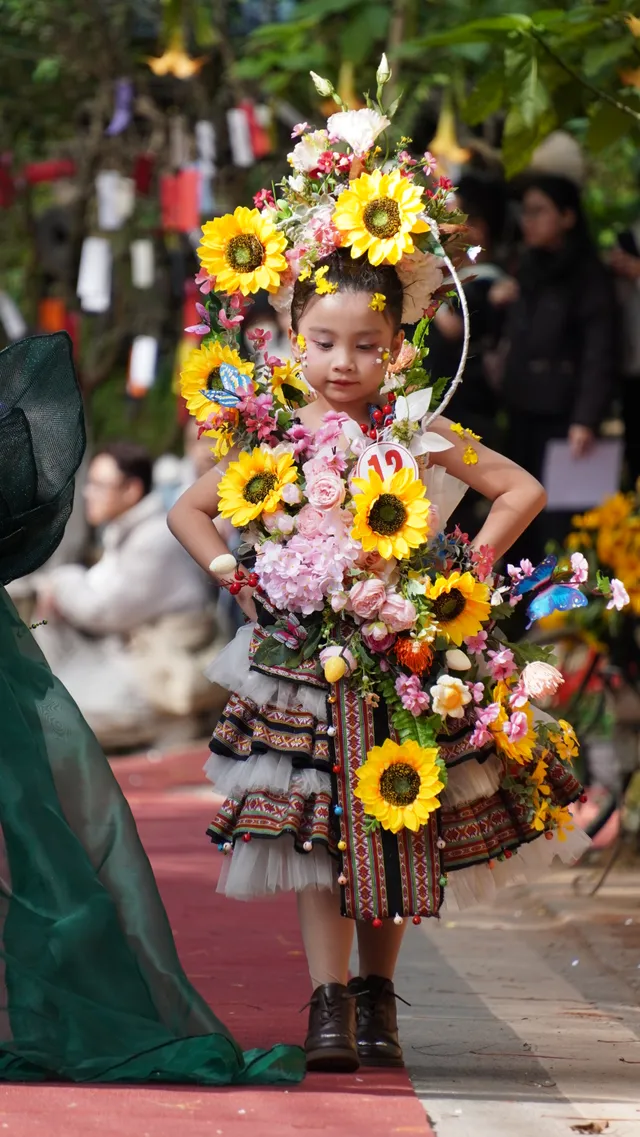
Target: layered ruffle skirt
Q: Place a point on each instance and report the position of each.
(283, 756)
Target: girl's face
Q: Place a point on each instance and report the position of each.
(544, 226)
(346, 345)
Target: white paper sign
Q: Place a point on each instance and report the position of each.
(386, 458)
(581, 483)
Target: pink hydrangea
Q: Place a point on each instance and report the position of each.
(412, 696)
(299, 575)
(501, 663)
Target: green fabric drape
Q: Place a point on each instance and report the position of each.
(91, 988)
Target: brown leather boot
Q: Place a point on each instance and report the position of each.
(331, 1040)
(377, 1029)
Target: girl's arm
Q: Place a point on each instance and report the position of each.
(191, 522)
(517, 496)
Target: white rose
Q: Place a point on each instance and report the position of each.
(449, 697)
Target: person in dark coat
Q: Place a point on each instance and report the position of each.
(560, 363)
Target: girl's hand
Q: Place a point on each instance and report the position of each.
(247, 604)
(243, 595)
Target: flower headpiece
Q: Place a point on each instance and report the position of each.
(350, 190)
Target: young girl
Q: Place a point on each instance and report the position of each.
(350, 691)
(275, 782)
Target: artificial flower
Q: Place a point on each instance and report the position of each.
(244, 251)
(516, 727)
(399, 784)
(540, 680)
(366, 598)
(460, 605)
(378, 302)
(420, 276)
(377, 637)
(449, 697)
(413, 653)
(325, 490)
(200, 376)
(470, 456)
(359, 129)
(304, 156)
(476, 644)
(378, 214)
(521, 749)
(580, 566)
(619, 595)
(392, 516)
(279, 523)
(398, 613)
(253, 485)
(501, 664)
(299, 575)
(412, 696)
(457, 660)
(334, 651)
(286, 380)
(324, 287)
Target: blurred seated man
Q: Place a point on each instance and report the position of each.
(130, 636)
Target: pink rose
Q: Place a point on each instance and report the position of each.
(309, 522)
(326, 490)
(398, 614)
(377, 636)
(278, 522)
(366, 598)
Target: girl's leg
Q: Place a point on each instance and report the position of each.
(379, 948)
(327, 936)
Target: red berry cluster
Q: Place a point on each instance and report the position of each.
(240, 581)
(380, 417)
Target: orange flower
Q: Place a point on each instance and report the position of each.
(416, 655)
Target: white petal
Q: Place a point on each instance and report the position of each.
(419, 403)
(429, 442)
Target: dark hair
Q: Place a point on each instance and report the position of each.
(352, 275)
(484, 196)
(133, 461)
(564, 194)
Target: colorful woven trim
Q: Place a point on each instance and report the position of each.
(244, 729)
(265, 814)
(386, 874)
(306, 672)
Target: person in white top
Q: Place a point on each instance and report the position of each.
(127, 636)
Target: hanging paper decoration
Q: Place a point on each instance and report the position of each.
(178, 142)
(143, 168)
(7, 187)
(51, 171)
(142, 263)
(122, 107)
(259, 119)
(14, 323)
(52, 314)
(94, 276)
(180, 200)
(240, 137)
(206, 146)
(142, 366)
(115, 199)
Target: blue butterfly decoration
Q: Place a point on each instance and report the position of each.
(554, 598)
(234, 386)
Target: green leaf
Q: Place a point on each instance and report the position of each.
(272, 653)
(604, 54)
(479, 31)
(360, 36)
(485, 98)
(520, 140)
(607, 126)
(46, 70)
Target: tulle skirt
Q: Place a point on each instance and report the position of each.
(270, 760)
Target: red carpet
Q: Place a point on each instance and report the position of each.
(247, 961)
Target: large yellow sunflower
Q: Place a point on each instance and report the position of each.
(378, 214)
(200, 377)
(392, 516)
(460, 605)
(243, 251)
(253, 485)
(288, 375)
(399, 784)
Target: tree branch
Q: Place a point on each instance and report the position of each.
(603, 95)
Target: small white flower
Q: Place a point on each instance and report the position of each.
(474, 252)
(383, 74)
(359, 129)
(449, 697)
(297, 183)
(304, 156)
(619, 595)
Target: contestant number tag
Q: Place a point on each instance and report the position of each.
(386, 458)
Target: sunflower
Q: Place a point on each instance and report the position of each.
(399, 784)
(460, 605)
(288, 375)
(378, 214)
(200, 377)
(243, 251)
(392, 516)
(253, 485)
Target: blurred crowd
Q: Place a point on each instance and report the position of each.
(129, 622)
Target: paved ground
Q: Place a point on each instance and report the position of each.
(524, 1019)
